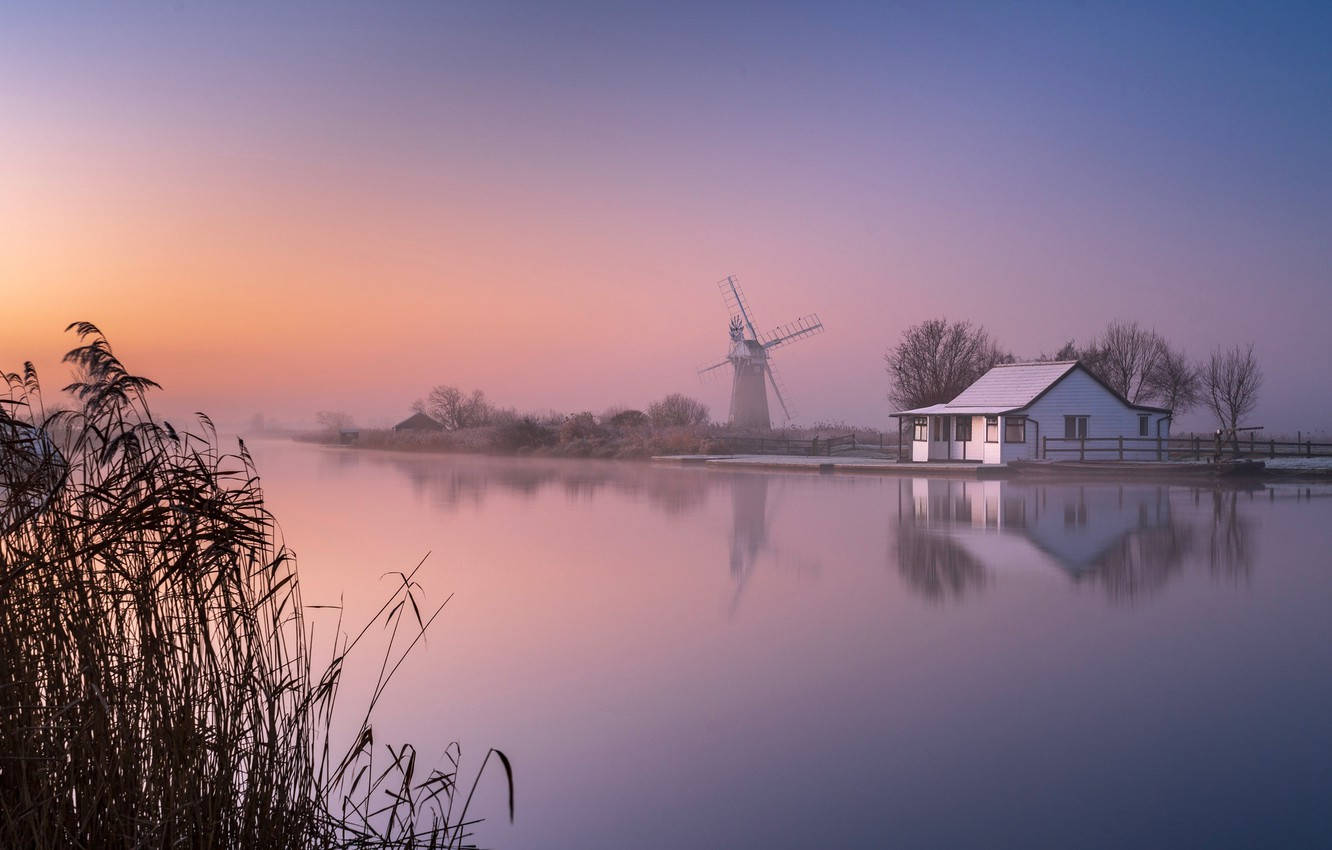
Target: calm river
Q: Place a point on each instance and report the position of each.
(691, 658)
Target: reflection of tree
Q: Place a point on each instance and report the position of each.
(1229, 544)
(1143, 561)
(935, 566)
(451, 481)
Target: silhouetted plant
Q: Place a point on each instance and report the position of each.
(157, 685)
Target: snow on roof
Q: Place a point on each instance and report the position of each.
(1006, 387)
(1010, 386)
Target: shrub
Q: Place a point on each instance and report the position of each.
(677, 410)
(626, 420)
(580, 426)
(524, 434)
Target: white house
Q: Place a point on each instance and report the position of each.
(1008, 413)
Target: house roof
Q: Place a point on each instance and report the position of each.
(418, 422)
(1006, 387)
(1013, 386)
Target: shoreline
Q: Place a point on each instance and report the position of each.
(860, 465)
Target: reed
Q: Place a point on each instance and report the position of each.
(158, 685)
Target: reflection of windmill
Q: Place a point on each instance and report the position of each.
(752, 514)
(751, 361)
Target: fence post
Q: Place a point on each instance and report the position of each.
(1121, 446)
(1197, 450)
(1045, 448)
(1271, 448)
(1308, 448)
(1082, 448)
(1158, 445)
(1250, 444)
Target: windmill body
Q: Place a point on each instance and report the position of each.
(751, 361)
(749, 387)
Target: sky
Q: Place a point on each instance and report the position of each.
(290, 207)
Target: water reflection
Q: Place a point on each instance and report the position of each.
(749, 528)
(591, 640)
(952, 536)
(1229, 547)
(455, 481)
(1127, 539)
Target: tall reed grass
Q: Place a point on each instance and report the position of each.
(158, 682)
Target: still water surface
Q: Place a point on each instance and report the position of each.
(685, 657)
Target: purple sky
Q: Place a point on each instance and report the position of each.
(339, 205)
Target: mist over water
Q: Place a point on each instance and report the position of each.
(687, 657)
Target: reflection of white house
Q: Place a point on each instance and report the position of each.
(1013, 528)
(1005, 414)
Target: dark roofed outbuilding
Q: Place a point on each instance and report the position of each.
(418, 422)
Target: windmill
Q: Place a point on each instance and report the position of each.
(749, 357)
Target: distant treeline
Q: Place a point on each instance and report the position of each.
(460, 421)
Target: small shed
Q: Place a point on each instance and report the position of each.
(418, 422)
(1016, 410)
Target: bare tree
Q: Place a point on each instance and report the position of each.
(937, 359)
(677, 409)
(1175, 382)
(1067, 351)
(1230, 383)
(333, 420)
(1123, 357)
(456, 410)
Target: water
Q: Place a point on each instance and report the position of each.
(691, 658)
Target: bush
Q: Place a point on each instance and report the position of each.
(677, 410)
(524, 434)
(626, 420)
(581, 426)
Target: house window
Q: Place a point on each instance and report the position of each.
(1142, 424)
(1075, 427)
(940, 427)
(1015, 429)
(962, 429)
(921, 428)
(992, 429)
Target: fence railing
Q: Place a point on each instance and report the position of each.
(815, 446)
(1176, 448)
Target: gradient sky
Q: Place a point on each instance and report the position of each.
(292, 207)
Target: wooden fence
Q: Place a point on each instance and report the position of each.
(1195, 448)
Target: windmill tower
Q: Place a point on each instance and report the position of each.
(751, 361)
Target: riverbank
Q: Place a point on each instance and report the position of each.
(1245, 471)
(578, 437)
